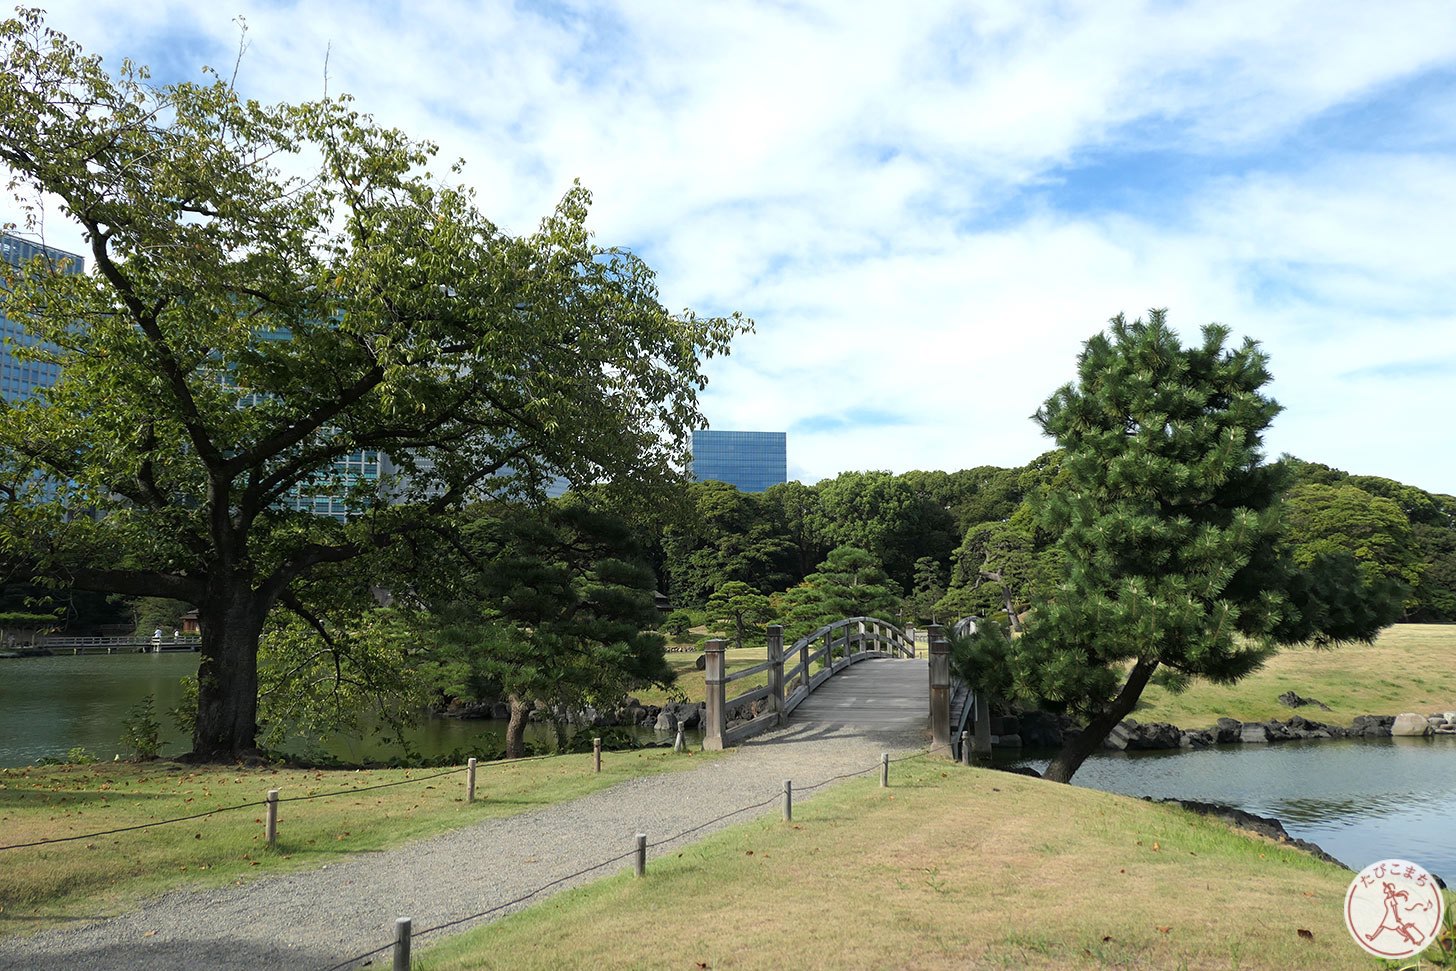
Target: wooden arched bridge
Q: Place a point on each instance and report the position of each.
(822, 680)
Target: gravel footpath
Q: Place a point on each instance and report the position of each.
(319, 918)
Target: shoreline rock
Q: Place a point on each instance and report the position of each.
(1266, 826)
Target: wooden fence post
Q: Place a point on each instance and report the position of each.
(965, 748)
(884, 770)
(939, 689)
(714, 716)
(776, 673)
(470, 779)
(639, 862)
(402, 944)
(597, 754)
(788, 801)
(270, 828)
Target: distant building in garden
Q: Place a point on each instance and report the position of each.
(752, 461)
(21, 379)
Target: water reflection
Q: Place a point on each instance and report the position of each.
(1360, 799)
(49, 705)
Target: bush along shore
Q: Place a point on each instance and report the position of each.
(663, 718)
(1040, 729)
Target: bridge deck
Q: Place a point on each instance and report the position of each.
(878, 695)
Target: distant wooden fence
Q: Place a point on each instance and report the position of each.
(792, 674)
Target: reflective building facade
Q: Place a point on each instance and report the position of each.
(20, 379)
(752, 461)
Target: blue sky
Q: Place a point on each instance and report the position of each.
(928, 207)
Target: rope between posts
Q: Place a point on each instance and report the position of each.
(264, 802)
(633, 852)
(485, 913)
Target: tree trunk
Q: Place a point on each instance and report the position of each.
(516, 729)
(1076, 750)
(227, 676)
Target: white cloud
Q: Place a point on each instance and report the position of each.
(857, 178)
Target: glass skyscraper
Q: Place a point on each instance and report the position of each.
(752, 461)
(20, 379)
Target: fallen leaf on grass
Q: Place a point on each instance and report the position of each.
(1164, 930)
(1106, 938)
(150, 934)
(1307, 935)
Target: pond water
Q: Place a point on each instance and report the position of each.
(49, 705)
(1361, 800)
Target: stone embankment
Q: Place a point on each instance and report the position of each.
(665, 718)
(1045, 730)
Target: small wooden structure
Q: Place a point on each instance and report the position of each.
(793, 674)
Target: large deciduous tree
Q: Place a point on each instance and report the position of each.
(273, 289)
(1168, 520)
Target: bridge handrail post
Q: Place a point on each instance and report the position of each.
(715, 715)
(776, 673)
(804, 667)
(861, 638)
(981, 744)
(939, 688)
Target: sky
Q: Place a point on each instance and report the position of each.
(928, 207)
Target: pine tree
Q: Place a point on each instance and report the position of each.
(1168, 521)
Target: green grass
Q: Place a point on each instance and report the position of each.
(690, 680)
(1408, 668)
(950, 868)
(40, 886)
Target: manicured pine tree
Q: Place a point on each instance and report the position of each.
(1168, 520)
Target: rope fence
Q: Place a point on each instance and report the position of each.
(404, 934)
(272, 800)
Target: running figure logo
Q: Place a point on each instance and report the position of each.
(1393, 909)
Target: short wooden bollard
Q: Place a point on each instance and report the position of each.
(681, 745)
(965, 748)
(639, 862)
(597, 753)
(270, 827)
(402, 944)
(470, 780)
(788, 800)
(884, 770)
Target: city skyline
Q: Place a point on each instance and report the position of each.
(927, 215)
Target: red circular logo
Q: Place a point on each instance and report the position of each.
(1393, 909)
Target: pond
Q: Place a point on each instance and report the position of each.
(49, 705)
(1361, 800)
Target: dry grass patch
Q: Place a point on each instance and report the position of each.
(42, 885)
(1408, 668)
(950, 868)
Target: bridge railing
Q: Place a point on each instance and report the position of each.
(969, 706)
(792, 674)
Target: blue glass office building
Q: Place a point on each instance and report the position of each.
(752, 461)
(20, 379)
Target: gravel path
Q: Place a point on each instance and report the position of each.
(315, 920)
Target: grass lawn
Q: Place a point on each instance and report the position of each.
(1408, 668)
(690, 679)
(949, 868)
(43, 885)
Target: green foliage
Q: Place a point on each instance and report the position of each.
(345, 671)
(141, 733)
(679, 623)
(278, 287)
(1168, 520)
(549, 604)
(727, 536)
(849, 583)
(158, 613)
(78, 755)
(928, 591)
(1322, 520)
(885, 516)
(983, 659)
(741, 608)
